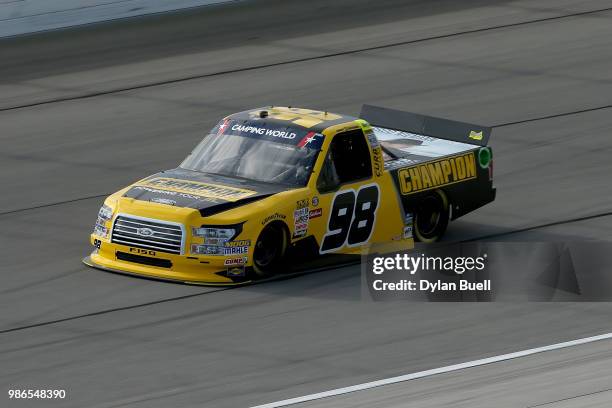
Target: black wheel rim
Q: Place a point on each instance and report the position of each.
(429, 216)
(266, 248)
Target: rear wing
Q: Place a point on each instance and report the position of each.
(426, 125)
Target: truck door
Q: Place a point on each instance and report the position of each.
(348, 193)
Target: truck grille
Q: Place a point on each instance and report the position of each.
(145, 233)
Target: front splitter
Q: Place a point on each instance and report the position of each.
(89, 262)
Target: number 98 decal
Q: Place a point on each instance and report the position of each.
(351, 218)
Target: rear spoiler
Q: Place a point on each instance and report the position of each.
(426, 125)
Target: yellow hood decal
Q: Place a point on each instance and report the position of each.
(215, 191)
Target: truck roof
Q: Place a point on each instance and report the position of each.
(312, 120)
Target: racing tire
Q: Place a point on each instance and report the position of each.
(269, 251)
(431, 217)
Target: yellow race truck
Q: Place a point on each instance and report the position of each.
(274, 185)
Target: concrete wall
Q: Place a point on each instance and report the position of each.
(29, 16)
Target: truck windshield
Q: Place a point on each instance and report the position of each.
(252, 158)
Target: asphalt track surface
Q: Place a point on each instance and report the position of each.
(556, 379)
(83, 113)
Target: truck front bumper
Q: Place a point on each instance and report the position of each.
(208, 271)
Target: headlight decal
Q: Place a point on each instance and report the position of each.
(105, 214)
(229, 248)
(217, 240)
(215, 234)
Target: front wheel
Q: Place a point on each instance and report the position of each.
(431, 217)
(269, 250)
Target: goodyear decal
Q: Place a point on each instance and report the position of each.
(273, 217)
(437, 173)
(226, 193)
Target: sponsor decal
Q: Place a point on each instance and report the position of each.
(302, 204)
(263, 131)
(317, 212)
(315, 201)
(300, 216)
(172, 194)
(299, 234)
(310, 136)
(223, 248)
(300, 222)
(236, 247)
(235, 250)
(275, 216)
(223, 126)
(378, 161)
(408, 231)
(235, 261)
(166, 201)
(236, 272)
(240, 243)
(475, 135)
(374, 143)
(201, 189)
(228, 248)
(438, 173)
(298, 135)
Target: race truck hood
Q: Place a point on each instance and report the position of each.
(208, 193)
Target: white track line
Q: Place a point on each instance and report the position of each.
(427, 373)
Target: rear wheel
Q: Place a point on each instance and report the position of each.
(269, 250)
(431, 217)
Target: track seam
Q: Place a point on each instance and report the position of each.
(116, 309)
(553, 116)
(298, 60)
(172, 299)
(570, 398)
(546, 225)
(53, 204)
